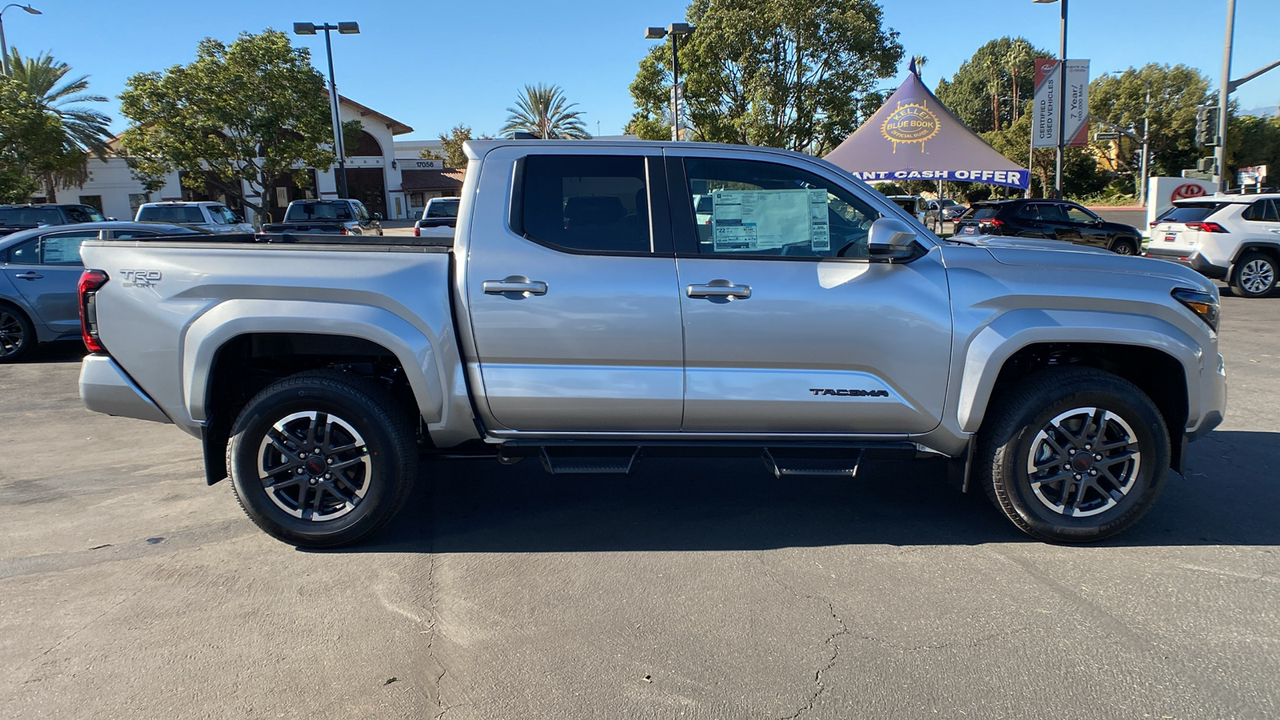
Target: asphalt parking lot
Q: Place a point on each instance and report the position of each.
(129, 589)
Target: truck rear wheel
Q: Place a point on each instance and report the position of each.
(1073, 455)
(322, 459)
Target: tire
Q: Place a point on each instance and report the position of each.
(1124, 246)
(1050, 419)
(17, 334)
(1254, 275)
(296, 496)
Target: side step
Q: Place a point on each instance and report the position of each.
(589, 461)
(783, 462)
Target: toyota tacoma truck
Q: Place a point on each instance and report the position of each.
(585, 317)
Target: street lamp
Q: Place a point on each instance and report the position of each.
(1062, 96)
(674, 30)
(4, 49)
(344, 28)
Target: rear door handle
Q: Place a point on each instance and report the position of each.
(719, 288)
(515, 284)
(29, 276)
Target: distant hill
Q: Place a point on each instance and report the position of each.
(1263, 111)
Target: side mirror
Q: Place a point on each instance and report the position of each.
(890, 237)
(238, 218)
(377, 216)
(110, 218)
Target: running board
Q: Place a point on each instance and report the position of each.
(574, 461)
(584, 457)
(786, 463)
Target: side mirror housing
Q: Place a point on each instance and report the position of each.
(377, 216)
(890, 237)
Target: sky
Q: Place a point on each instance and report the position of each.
(433, 65)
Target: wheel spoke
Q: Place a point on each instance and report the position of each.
(1062, 476)
(346, 463)
(1072, 507)
(284, 484)
(279, 442)
(1107, 462)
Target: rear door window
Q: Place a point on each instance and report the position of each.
(764, 209)
(585, 203)
(1262, 211)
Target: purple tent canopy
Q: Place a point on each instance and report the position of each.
(913, 137)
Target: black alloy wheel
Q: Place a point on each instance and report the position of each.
(322, 459)
(1124, 246)
(1073, 455)
(17, 334)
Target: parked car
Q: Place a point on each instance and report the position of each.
(439, 218)
(25, 217)
(211, 216)
(1051, 219)
(950, 209)
(1226, 237)
(580, 319)
(334, 217)
(39, 270)
(913, 204)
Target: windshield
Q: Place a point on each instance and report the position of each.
(443, 208)
(304, 211)
(1190, 212)
(171, 214)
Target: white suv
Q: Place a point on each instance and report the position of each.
(212, 216)
(1235, 238)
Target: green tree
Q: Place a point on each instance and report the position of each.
(454, 156)
(83, 130)
(1253, 140)
(31, 142)
(1080, 175)
(795, 74)
(248, 113)
(544, 111)
(978, 91)
(1120, 101)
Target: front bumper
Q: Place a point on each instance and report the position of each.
(1195, 261)
(106, 388)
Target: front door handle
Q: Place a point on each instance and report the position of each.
(29, 276)
(719, 288)
(517, 284)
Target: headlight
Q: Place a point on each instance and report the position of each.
(1203, 304)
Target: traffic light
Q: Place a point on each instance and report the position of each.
(1206, 125)
(1207, 165)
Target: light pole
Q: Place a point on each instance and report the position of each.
(1062, 97)
(1224, 92)
(4, 49)
(674, 30)
(344, 28)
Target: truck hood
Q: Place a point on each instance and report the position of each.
(1057, 254)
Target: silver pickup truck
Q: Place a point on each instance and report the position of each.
(588, 316)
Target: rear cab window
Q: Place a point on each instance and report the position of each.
(585, 203)
(177, 214)
(442, 209)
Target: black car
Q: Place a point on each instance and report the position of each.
(1051, 219)
(26, 217)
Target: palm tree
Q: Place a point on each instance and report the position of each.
(85, 130)
(992, 65)
(545, 112)
(1019, 55)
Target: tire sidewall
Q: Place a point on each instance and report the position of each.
(1042, 521)
(1239, 288)
(246, 439)
(28, 334)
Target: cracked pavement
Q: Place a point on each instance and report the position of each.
(690, 589)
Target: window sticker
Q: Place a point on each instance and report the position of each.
(755, 220)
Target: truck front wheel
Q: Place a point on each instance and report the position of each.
(322, 459)
(1073, 455)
